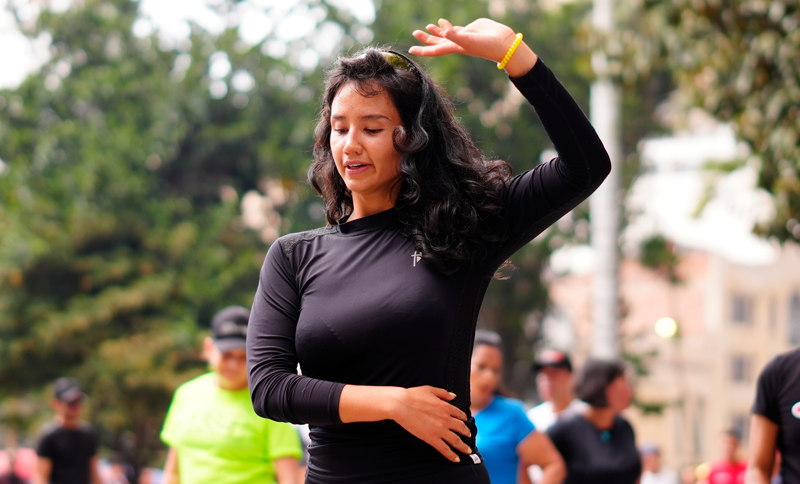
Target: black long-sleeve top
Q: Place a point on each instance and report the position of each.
(354, 304)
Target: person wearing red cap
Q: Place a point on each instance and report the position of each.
(67, 450)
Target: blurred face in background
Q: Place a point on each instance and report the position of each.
(68, 413)
(486, 370)
(730, 447)
(555, 383)
(230, 366)
(619, 394)
(651, 462)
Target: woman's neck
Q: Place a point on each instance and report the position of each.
(366, 206)
(602, 418)
(561, 402)
(478, 404)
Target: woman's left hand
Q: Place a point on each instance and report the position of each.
(481, 38)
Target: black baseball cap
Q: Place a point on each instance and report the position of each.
(553, 359)
(68, 390)
(229, 328)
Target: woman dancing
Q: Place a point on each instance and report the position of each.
(379, 307)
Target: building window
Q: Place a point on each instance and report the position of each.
(794, 319)
(740, 368)
(739, 425)
(742, 309)
(773, 314)
(697, 431)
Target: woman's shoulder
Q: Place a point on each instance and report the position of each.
(621, 423)
(288, 242)
(567, 422)
(510, 402)
(510, 406)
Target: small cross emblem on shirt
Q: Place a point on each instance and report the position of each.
(416, 256)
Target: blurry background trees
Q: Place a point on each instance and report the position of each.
(143, 182)
(145, 177)
(738, 60)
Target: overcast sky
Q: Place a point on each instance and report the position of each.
(284, 20)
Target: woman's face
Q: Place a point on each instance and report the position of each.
(485, 372)
(619, 394)
(361, 142)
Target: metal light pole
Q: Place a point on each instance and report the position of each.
(604, 204)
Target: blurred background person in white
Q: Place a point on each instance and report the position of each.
(652, 470)
(556, 386)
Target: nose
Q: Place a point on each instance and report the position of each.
(352, 145)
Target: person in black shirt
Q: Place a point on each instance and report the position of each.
(598, 445)
(775, 423)
(379, 308)
(67, 449)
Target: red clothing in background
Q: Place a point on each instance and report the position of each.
(725, 472)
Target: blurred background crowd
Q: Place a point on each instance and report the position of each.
(150, 152)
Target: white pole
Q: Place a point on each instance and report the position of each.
(605, 204)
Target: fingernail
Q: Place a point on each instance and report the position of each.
(458, 459)
(452, 394)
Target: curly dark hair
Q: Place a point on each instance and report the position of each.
(450, 196)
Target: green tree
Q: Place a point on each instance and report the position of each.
(136, 201)
(506, 127)
(738, 60)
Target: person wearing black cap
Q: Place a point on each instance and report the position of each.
(556, 387)
(67, 450)
(213, 433)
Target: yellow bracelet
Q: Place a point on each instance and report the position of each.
(510, 52)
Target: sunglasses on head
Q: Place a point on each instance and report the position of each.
(399, 61)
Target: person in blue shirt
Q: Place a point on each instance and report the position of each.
(506, 438)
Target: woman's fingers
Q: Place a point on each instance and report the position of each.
(481, 38)
(427, 38)
(458, 444)
(425, 413)
(458, 413)
(461, 428)
(445, 450)
(435, 46)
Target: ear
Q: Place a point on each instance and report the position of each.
(208, 347)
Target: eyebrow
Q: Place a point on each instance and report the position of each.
(368, 116)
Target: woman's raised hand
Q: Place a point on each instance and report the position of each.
(481, 38)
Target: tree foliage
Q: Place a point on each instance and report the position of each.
(740, 61)
(144, 181)
(124, 219)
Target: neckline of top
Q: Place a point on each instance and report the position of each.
(380, 220)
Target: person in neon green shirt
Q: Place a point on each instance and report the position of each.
(214, 435)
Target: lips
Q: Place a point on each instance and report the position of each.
(355, 167)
